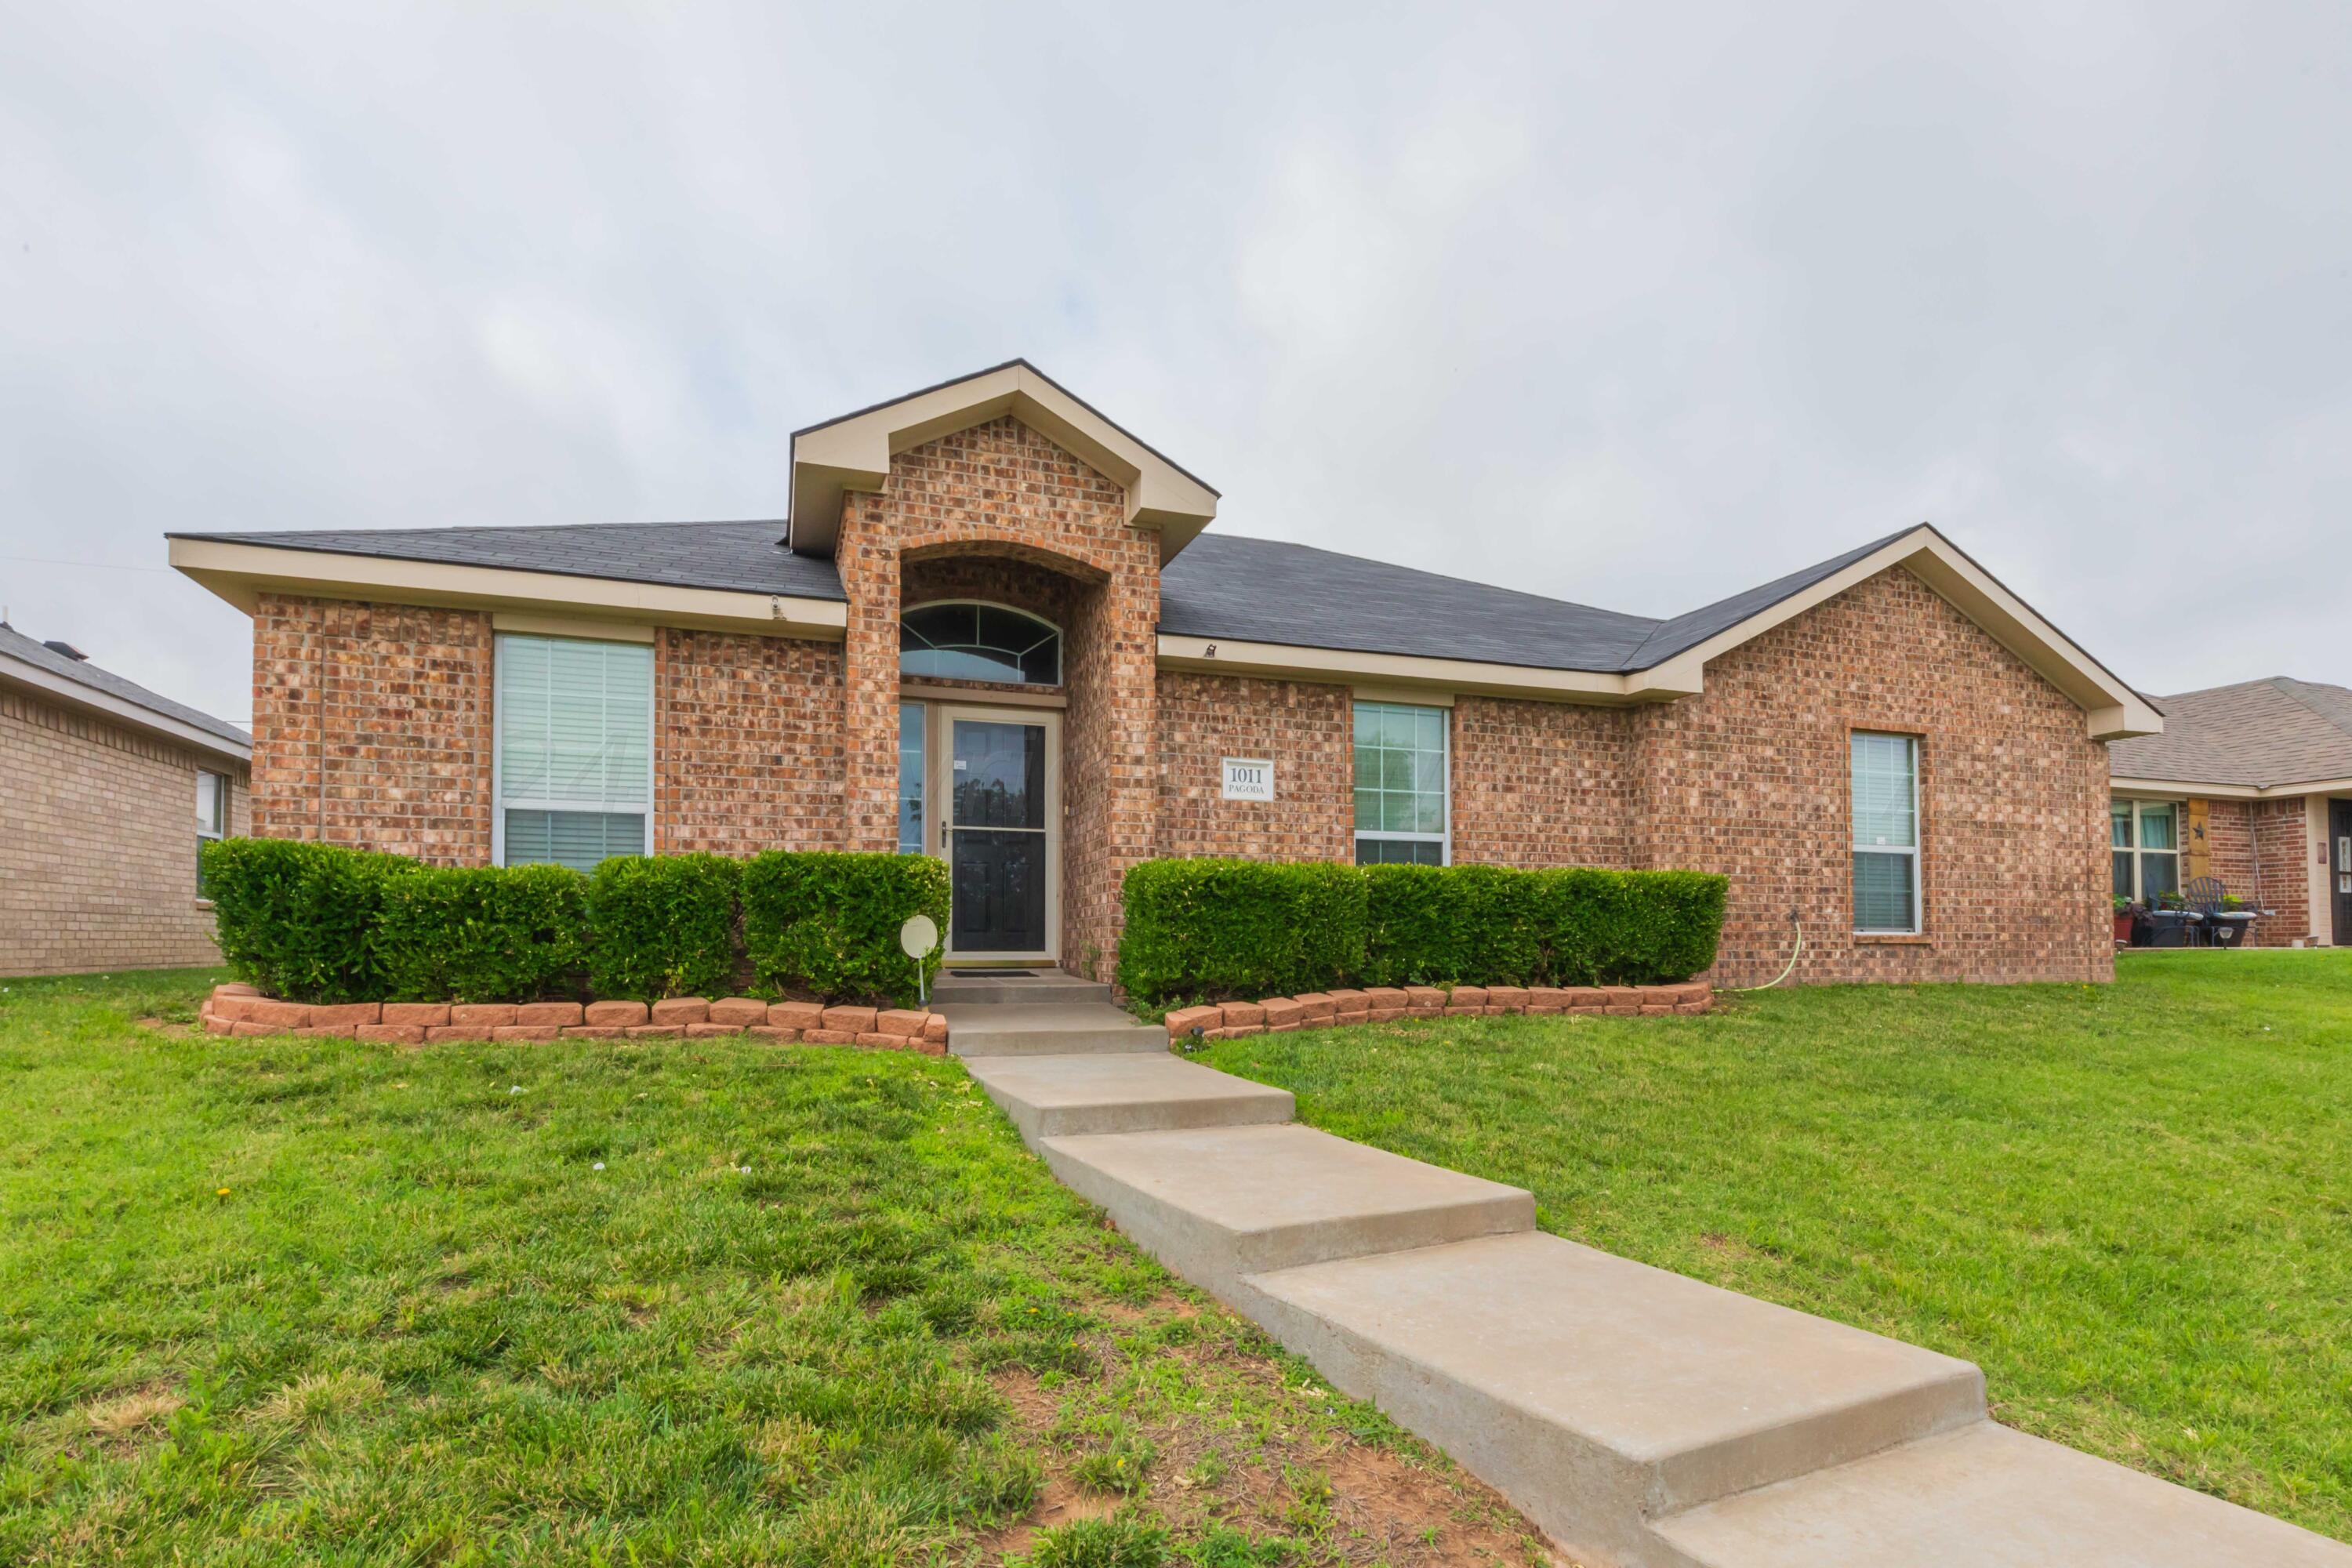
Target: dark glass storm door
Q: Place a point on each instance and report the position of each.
(1000, 857)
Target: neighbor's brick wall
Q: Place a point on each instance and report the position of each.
(1307, 728)
(401, 697)
(747, 743)
(1001, 492)
(1751, 778)
(97, 869)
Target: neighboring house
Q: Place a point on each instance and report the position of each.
(2251, 783)
(110, 789)
(997, 632)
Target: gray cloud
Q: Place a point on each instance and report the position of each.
(1635, 308)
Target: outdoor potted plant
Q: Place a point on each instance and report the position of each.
(2125, 914)
(2232, 922)
(2168, 924)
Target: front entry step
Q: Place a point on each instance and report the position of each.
(1597, 1394)
(1044, 987)
(1985, 1497)
(1069, 1096)
(1218, 1204)
(1032, 1029)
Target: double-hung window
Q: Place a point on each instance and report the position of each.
(2144, 835)
(575, 746)
(1401, 785)
(212, 818)
(1886, 833)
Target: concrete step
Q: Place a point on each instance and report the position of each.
(1045, 988)
(1056, 1096)
(1008, 1029)
(1597, 1394)
(1985, 1497)
(1217, 1203)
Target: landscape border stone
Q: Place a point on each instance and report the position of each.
(1380, 1005)
(239, 1010)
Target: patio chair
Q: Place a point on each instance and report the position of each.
(2202, 897)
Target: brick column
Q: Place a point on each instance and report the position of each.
(868, 561)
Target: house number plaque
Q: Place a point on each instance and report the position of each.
(1249, 778)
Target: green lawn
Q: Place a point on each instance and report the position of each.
(714, 1302)
(2131, 1205)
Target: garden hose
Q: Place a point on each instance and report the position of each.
(1794, 953)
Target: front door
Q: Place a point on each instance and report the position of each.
(1001, 831)
(2339, 867)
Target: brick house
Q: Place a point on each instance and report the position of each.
(109, 790)
(2251, 783)
(995, 629)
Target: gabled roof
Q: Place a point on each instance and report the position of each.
(2263, 735)
(854, 452)
(34, 666)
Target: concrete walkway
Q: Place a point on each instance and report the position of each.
(1640, 1418)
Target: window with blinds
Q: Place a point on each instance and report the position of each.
(1886, 833)
(575, 745)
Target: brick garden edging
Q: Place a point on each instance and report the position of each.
(243, 1011)
(1327, 1009)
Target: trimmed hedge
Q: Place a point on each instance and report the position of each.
(317, 923)
(829, 923)
(299, 919)
(481, 934)
(662, 925)
(1210, 930)
(1214, 928)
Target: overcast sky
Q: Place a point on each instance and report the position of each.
(1634, 307)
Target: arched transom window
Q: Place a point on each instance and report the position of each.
(967, 640)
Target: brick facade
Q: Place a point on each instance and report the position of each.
(2262, 851)
(374, 727)
(97, 870)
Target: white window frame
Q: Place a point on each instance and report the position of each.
(205, 832)
(2137, 847)
(499, 805)
(1855, 846)
(1443, 838)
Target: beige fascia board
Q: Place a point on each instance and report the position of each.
(1403, 672)
(2187, 788)
(855, 454)
(2112, 710)
(241, 572)
(53, 687)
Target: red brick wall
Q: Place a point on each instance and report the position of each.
(2284, 866)
(747, 744)
(97, 866)
(1543, 784)
(1001, 492)
(1751, 779)
(1306, 728)
(401, 697)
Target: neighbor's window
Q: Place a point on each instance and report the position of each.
(1886, 833)
(970, 641)
(575, 746)
(212, 818)
(2145, 840)
(910, 778)
(1401, 776)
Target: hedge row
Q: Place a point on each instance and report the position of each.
(1209, 931)
(315, 923)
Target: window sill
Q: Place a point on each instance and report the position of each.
(1895, 938)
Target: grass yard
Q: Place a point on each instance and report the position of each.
(302, 1301)
(2131, 1205)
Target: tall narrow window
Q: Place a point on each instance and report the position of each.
(2145, 840)
(212, 818)
(575, 730)
(911, 822)
(1401, 785)
(1886, 833)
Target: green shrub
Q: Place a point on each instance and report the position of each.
(1219, 930)
(662, 926)
(298, 919)
(483, 933)
(828, 923)
(1208, 929)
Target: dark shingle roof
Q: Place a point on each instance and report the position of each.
(1222, 585)
(744, 556)
(2258, 732)
(14, 644)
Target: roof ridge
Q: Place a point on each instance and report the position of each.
(1443, 577)
(2289, 687)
